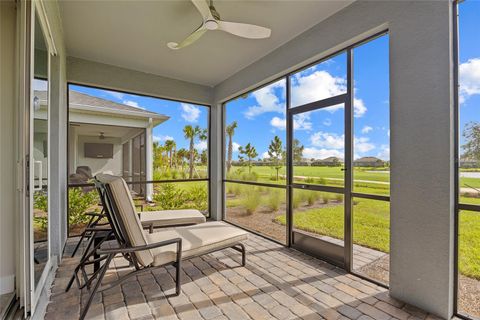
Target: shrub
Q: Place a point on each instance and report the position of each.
(174, 174)
(339, 197)
(273, 201)
(312, 197)
(251, 201)
(78, 203)
(249, 176)
(40, 201)
(326, 197)
(198, 195)
(169, 197)
(309, 180)
(297, 200)
(322, 181)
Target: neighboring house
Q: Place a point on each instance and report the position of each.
(469, 163)
(106, 137)
(328, 162)
(369, 162)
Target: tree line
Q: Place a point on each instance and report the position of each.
(247, 154)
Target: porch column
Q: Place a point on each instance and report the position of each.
(149, 161)
(422, 156)
(216, 163)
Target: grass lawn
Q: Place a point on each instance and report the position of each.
(371, 226)
(469, 244)
(371, 221)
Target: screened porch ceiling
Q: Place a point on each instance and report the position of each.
(134, 34)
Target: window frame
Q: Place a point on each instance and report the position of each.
(289, 111)
(209, 142)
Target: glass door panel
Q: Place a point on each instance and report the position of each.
(318, 145)
(39, 162)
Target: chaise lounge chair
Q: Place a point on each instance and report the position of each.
(148, 251)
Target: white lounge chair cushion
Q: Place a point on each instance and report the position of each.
(166, 218)
(196, 240)
(128, 215)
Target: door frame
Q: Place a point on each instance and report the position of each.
(33, 291)
(337, 255)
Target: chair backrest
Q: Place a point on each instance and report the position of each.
(123, 211)
(84, 171)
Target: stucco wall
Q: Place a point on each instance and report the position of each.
(114, 165)
(7, 131)
(421, 93)
(103, 75)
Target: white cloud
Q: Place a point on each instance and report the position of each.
(235, 146)
(359, 108)
(267, 101)
(162, 138)
(327, 140)
(132, 104)
(202, 145)
(384, 153)
(316, 86)
(300, 122)
(190, 113)
(265, 155)
(321, 85)
(278, 123)
(366, 129)
(115, 94)
(363, 144)
(469, 78)
(322, 153)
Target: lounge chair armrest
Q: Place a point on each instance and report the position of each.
(97, 229)
(95, 214)
(177, 241)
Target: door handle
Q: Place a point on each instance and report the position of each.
(38, 164)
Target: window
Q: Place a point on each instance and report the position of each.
(255, 142)
(468, 140)
(338, 132)
(160, 147)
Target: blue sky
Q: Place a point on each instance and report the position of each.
(261, 114)
(469, 68)
(181, 114)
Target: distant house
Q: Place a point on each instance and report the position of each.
(469, 163)
(369, 162)
(105, 137)
(328, 162)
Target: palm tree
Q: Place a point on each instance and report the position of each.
(170, 145)
(191, 133)
(230, 132)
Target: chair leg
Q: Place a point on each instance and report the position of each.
(97, 285)
(82, 260)
(241, 248)
(244, 255)
(178, 280)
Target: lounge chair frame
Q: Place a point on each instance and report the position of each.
(125, 248)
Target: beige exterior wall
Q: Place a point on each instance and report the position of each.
(8, 208)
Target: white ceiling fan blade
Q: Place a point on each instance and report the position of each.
(203, 8)
(188, 40)
(244, 30)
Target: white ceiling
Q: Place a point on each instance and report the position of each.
(133, 34)
(86, 129)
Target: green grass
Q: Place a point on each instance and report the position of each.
(469, 244)
(371, 226)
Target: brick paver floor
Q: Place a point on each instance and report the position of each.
(277, 283)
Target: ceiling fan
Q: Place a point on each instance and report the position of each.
(212, 21)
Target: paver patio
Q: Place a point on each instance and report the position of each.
(277, 283)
